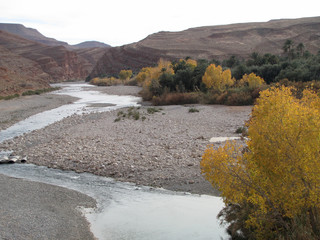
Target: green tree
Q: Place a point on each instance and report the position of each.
(288, 48)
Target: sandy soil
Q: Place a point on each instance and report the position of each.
(15, 110)
(31, 210)
(163, 149)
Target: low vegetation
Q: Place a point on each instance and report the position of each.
(136, 113)
(29, 92)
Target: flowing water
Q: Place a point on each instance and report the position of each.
(125, 211)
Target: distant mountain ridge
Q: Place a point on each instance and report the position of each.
(34, 35)
(212, 42)
(91, 44)
(30, 34)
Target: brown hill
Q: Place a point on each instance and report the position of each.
(212, 42)
(89, 52)
(30, 34)
(24, 62)
(19, 74)
(91, 44)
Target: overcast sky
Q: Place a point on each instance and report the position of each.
(119, 22)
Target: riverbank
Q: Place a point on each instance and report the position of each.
(15, 110)
(32, 210)
(162, 149)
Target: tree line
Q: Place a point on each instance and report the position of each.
(233, 81)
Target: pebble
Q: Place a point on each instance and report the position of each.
(163, 151)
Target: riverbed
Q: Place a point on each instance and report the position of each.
(161, 151)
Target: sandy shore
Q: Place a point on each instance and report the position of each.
(31, 210)
(15, 110)
(163, 149)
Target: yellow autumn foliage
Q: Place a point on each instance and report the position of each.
(279, 173)
(252, 80)
(189, 61)
(217, 79)
(125, 74)
(147, 74)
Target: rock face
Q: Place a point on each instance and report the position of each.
(36, 62)
(26, 64)
(30, 60)
(18, 73)
(218, 42)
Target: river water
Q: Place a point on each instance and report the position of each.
(125, 211)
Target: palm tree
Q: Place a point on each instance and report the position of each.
(288, 48)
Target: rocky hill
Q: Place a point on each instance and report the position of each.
(91, 44)
(212, 42)
(30, 34)
(25, 63)
(29, 60)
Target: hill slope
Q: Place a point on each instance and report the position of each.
(89, 52)
(218, 42)
(26, 64)
(30, 34)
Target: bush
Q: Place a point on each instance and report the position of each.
(9, 97)
(239, 99)
(193, 110)
(39, 91)
(175, 99)
(153, 110)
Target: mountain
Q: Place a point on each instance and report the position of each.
(30, 34)
(212, 42)
(91, 44)
(24, 62)
(18, 74)
(29, 60)
(89, 52)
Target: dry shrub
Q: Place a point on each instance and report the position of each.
(241, 98)
(175, 99)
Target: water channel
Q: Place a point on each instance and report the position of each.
(125, 211)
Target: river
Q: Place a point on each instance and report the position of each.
(125, 211)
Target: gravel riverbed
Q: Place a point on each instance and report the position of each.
(162, 149)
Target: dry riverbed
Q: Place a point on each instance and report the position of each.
(161, 149)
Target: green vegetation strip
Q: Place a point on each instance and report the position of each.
(29, 92)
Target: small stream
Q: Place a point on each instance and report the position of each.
(125, 211)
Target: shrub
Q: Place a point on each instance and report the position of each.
(9, 97)
(175, 99)
(193, 110)
(239, 99)
(153, 110)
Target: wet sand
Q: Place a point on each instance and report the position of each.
(32, 210)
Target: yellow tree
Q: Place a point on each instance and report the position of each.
(125, 74)
(279, 173)
(252, 80)
(147, 74)
(217, 79)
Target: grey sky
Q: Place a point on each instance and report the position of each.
(118, 22)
